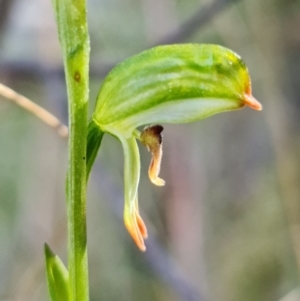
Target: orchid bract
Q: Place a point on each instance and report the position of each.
(57, 276)
(166, 84)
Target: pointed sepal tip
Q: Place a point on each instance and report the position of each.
(253, 103)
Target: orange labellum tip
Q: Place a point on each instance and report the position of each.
(152, 138)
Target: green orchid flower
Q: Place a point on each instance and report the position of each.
(166, 84)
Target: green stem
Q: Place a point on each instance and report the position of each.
(76, 187)
(71, 18)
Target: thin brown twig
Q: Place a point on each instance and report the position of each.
(35, 109)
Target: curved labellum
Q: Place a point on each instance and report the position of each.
(166, 84)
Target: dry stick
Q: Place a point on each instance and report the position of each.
(35, 109)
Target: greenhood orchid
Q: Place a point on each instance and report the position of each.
(166, 84)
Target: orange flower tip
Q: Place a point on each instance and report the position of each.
(158, 181)
(136, 235)
(139, 241)
(143, 248)
(251, 102)
(142, 226)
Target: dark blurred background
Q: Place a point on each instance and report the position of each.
(226, 225)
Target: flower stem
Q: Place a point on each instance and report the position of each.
(76, 191)
(74, 39)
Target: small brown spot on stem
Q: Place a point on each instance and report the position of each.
(77, 76)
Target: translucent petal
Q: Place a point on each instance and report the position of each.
(132, 218)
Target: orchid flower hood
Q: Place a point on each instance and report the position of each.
(166, 84)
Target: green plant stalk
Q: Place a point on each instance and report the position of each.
(71, 18)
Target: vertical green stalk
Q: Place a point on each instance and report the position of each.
(71, 18)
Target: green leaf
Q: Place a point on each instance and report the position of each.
(57, 276)
(94, 138)
(172, 84)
